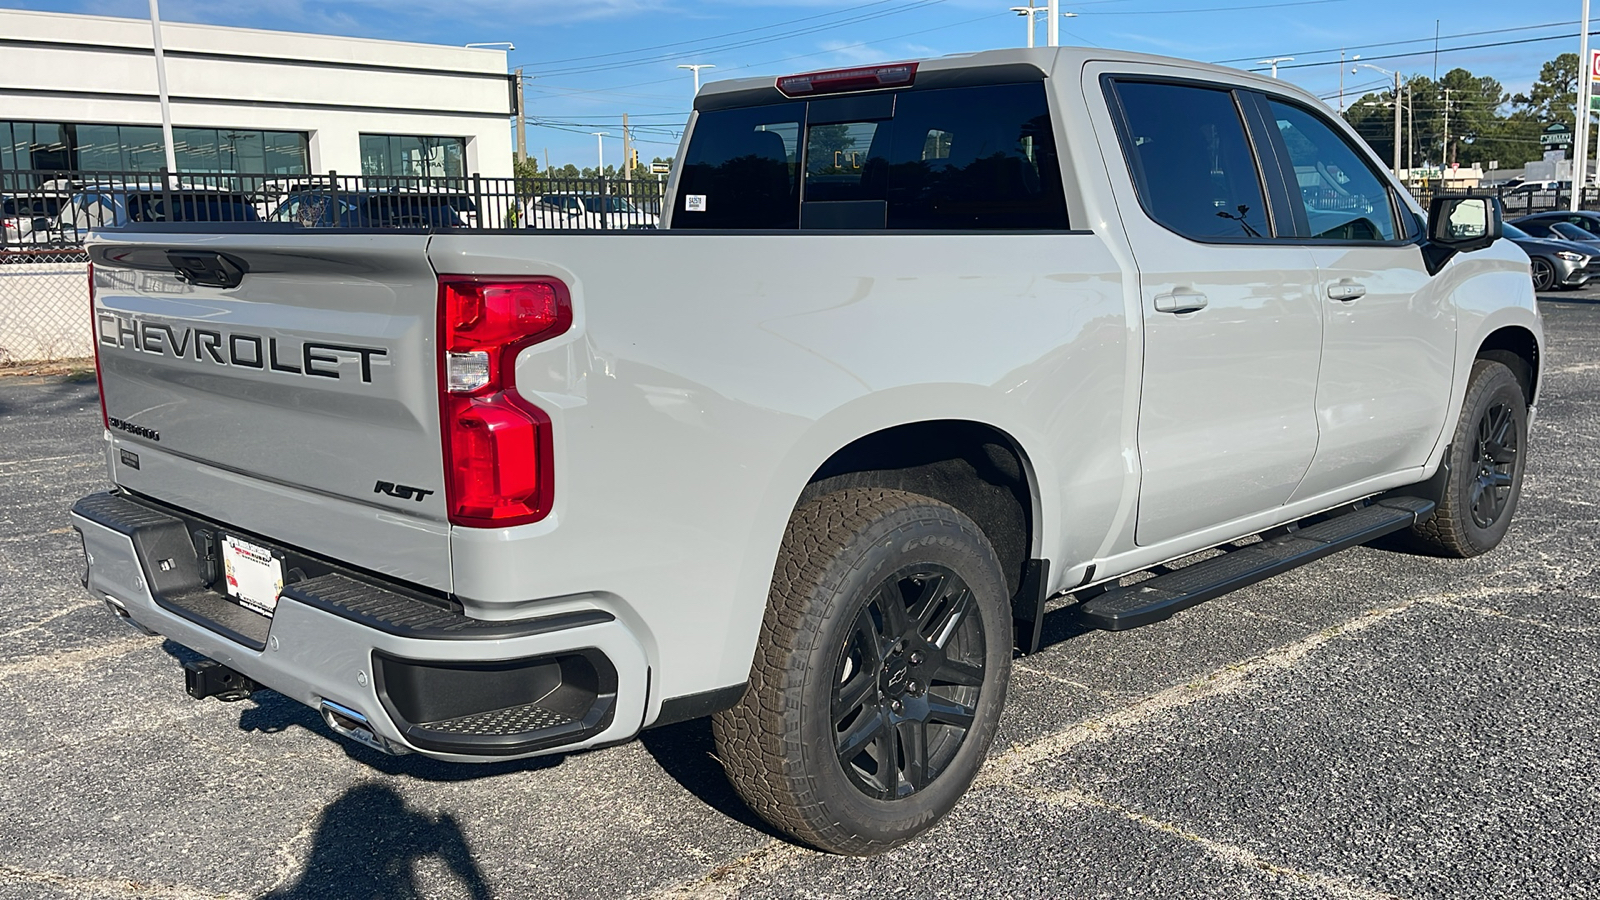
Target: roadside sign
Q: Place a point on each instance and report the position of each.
(1557, 134)
(1594, 102)
(1594, 65)
(660, 169)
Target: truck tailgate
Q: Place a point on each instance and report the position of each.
(300, 403)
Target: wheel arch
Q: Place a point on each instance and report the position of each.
(973, 466)
(1518, 349)
(850, 440)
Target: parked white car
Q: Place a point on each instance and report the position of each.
(572, 209)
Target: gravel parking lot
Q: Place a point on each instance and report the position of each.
(1374, 725)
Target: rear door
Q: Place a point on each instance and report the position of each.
(281, 404)
(1232, 325)
(1388, 351)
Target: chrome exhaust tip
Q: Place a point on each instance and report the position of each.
(120, 611)
(351, 724)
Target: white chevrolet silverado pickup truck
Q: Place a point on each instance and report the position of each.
(918, 348)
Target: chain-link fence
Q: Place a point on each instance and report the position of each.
(44, 306)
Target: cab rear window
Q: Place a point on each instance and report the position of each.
(965, 159)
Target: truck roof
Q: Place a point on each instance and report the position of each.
(1045, 60)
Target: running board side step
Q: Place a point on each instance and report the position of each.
(1165, 595)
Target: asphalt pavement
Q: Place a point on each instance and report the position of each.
(1374, 725)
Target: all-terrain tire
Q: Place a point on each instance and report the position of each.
(847, 561)
(1487, 455)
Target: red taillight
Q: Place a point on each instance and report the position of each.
(94, 338)
(497, 445)
(838, 81)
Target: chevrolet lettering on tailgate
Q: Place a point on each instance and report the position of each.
(230, 348)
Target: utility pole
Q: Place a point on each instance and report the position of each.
(1446, 155)
(696, 70)
(1411, 133)
(600, 147)
(1052, 32)
(627, 151)
(522, 122)
(166, 104)
(1341, 79)
(547, 170)
(1580, 147)
(1397, 112)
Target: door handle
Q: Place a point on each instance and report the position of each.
(1181, 300)
(1346, 291)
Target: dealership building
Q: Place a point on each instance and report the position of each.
(78, 93)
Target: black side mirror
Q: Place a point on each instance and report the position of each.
(1458, 224)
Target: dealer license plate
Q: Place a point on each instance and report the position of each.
(254, 575)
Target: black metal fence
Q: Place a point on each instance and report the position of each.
(44, 209)
(1517, 201)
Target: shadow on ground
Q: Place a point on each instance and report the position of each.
(368, 843)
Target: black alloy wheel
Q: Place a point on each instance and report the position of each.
(880, 674)
(1488, 452)
(1544, 274)
(1495, 464)
(906, 687)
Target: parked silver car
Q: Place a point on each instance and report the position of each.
(1553, 262)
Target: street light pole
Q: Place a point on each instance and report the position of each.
(1580, 147)
(161, 90)
(1052, 31)
(1273, 62)
(600, 148)
(696, 69)
(1027, 11)
(1397, 110)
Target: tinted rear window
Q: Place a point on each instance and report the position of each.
(971, 158)
(740, 170)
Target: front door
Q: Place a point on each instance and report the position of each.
(1388, 351)
(1232, 322)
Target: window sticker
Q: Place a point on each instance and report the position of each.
(694, 203)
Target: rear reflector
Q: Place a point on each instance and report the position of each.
(497, 445)
(838, 81)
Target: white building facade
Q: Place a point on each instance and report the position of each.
(78, 93)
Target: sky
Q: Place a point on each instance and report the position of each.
(590, 62)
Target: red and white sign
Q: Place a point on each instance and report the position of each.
(1594, 65)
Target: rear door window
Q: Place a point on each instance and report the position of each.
(1192, 164)
(975, 158)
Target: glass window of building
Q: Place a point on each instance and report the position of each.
(409, 155)
(63, 147)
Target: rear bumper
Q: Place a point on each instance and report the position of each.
(424, 677)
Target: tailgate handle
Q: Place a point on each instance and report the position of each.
(208, 267)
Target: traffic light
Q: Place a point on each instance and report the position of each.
(633, 160)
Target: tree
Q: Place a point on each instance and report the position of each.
(1555, 95)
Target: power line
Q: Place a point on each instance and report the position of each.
(736, 45)
(1398, 43)
(768, 62)
(1334, 62)
(716, 37)
(1168, 12)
